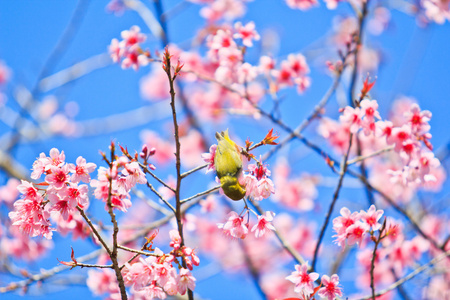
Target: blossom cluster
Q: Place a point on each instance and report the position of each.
(58, 197)
(225, 51)
(410, 164)
(153, 277)
(351, 228)
(304, 283)
(156, 276)
(128, 51)
(123, 175)
(237, 227)
(395, 253)
(436, 11)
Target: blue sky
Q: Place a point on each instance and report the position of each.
(416, 61)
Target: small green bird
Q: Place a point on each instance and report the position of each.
(228, 165)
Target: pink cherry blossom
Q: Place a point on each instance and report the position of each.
(436, 11)
(264, 224)
(298, 65)
(81, 170)
(31, 217)
(283, 75)
(371, 217)
(218, 9)
(115, 50)
(27, 189)
(266, 64)
(370, 109)
(56, 159)
(39, 166)
(384, 128)
(10, 192)
(342, 223)
(356, 232)
(132, 36)
(78, 194)
(266, 188)
(304, 281)
(246, 73)
(399, 135)
(259, 170)
(185, 281)
(58, 176)
(351, 117)
(251, 187)
(302, 83)
(336, 133)
(133, 58)
(330, 289)
(175, 239)
(418, 119)
(234, 226)
(134, 174)
(301, 4)
(247, 33)
(209, 158)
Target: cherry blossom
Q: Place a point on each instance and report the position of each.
(247, 33)
(264, 224)
(185, 281)
(304, 281)
(234, 226)
(330, 289)
(81, 170)
(209, 158)
(356, 232)
(371, 217)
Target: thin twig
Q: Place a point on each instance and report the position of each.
(94, 266)
(74, 72)
(160, 197)
(375, 153)
(201, 194)
(94, 230)
(147, 170)
(137, 251)
(113, 254)
(374, 256)
(44, 274)
(187, 173)
(167, 68)
(333, 202)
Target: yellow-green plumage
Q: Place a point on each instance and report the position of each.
(228, 165)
